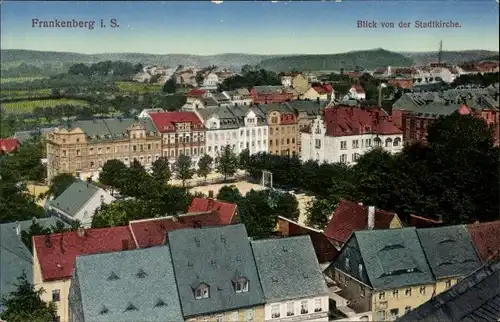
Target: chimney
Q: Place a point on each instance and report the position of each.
(371, 217)
(80, 232)
(48, 241)
(18, 228)
(210, 193)
(124, 244)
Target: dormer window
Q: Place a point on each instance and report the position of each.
(241, 285)
(202, 292)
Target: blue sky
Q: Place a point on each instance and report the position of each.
(201, 27)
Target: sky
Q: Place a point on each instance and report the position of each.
(253, 27)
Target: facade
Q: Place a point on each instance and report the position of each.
(78, 203)
(239, 97)
(211, 81)
(306, 112)
(270, 94)
(283, 129)
(319, 92)
(293, 284)
(135, 285)
(222, 130)
(343, 134)
(54, 256)
(181, 133)
(216, 275)
(83, 147)
(253, 131)
(350, 216)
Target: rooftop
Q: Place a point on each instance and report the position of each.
(486, 239)
(166, 121)
(224, 210)
(8, 145)
(74, 197)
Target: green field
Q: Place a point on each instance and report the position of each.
(138, 87)
(28, 106)
(4, 80)
(27, 93)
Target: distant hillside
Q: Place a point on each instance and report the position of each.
(13, 57)
(451, 57)
(367, 59)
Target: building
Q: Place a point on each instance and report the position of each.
(286, 81)
(300, 83)
(78, 203)
(222, 130)
(54, 257)
(343, 134)
(182, 133)
(227, 212)
(145, 112)
(8, 145)
(486, 239)
(195, 93)
(357, 92)
(324, 248)
(253, 129)
(270, 94)
(221, 99)
(216, 275)
(475, 298)
(23, 136)
(239, 97)
(320, 93)
(350, 216)
(210, 82)
(291, 279)
(81, 148)
(135, 285)
(404, 83)
(383, 271)
(306, 112)
(283, 129)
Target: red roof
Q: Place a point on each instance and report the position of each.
(343, 121)
(350, 216)
(486, 238)
(8, 145)
(225, 210)
(325, 250)
(152, 232)
(56, 253)
(422, 222)
(196, 92)
(358, 89)
(165, 121)
(323, 89)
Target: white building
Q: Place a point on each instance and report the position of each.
(295, 292)
(286, 81)
(344, 134)
(239, 97)
(145, 112)
(357, 92)
(211, 81)
(253, 129)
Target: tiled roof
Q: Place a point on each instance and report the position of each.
(152, 232)
(358, 89)
(165, 122)
(423, 222)
(142, 278)
(476, 298)
(57, 252)
(225, 210)
(227, 119)
(74, 197)
(325, 250)
(268, 89)
(288, 268)
(449, 251)
(393, 258)
(8, 145)
(486, 238)
(323, 89)
(196, 92)
(350, 216)
(110, 129)
(215, 257)
(343, 121)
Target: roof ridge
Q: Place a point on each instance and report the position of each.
(301, 225)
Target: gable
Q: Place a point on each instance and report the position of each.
(350, 252)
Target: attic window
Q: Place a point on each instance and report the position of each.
(104, 310)
(113, 277)
(131, 307)
(241, 285)
(141, 274)
(202, 292)
(160, 303)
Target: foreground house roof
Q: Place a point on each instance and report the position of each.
(486, 238)
(215, 258)
(74, 198)
(56, 253)
(475, 298)
(350, 216)
(225, 210)
(288, 268)
(136, 285)
(423, 222)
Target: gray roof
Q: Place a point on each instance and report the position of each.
(210, 102)
(281, 107)
(23, 136)
(113, 281)
(220, 97)
(449, 251)
(214, 256)
(241, 112)
(311, 108)
(14, 255)
(288, 268)
(475, 298)
(74, 197)
(108, 129)
(393, 258)
(267, 89)
(228, 119)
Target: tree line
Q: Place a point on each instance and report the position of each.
(249, 78)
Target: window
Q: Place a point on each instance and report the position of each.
(249, 317)
(381, 315)
(395, 294)
(422, 290)
(78, 153)
(397, 142)
(394, 313)
(56, 295)
(219, 318)
(381, 296)
(361, 291)
(347, 263)
(318, 143)
(368, 143)
(234, 317)
(343, 158)
(275, 311)
(64, 153)
(317, 305)
(241, 285)
(408, 292)
(290, 309)
(448, 283)
(355, 157)
(304, 307)
(202, 292)
(343, 145)
(407, 309)
(355, 144)
(388, 143)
